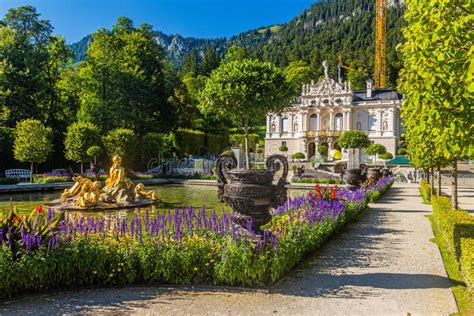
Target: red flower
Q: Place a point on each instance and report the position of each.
(319, 195)
(316, 187)
(39, 209)
(16, 219)
(333, 193)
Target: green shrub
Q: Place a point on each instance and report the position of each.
(298, 155)
(457, 232)
(238, 139)
(4, 181)
(50, 179)
(216, 143)
(425, 191)
(190, 142)
(283, 148)
(323, 150)
(122, 142)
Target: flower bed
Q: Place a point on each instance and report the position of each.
(45, 251)
(317, 180)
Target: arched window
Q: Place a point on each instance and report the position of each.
(313, 122)
(339, 121)
(371, 122)
(313, 102)
(285, 125)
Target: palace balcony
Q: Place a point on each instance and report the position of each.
(323, 133)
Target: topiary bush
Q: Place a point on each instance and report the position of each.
(425, 191)
(354, 139)
(298, 155)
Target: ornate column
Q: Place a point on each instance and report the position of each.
(269, 123)
(349, 120)
(344, 119)
(318, 112)
(331, 120)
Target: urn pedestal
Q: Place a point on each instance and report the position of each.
(251, 193)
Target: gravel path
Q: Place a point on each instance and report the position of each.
(384, 264)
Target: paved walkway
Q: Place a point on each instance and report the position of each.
(384, 264)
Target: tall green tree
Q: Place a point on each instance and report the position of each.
(210, 61)
(32, 143)
(190, 64)
(437, 79)
(79, 137)
(122, 142)
(298, 73)
(236, 53)
(245, 91)
(123, 81)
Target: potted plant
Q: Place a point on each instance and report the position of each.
(386, 156)
(375, 150)
(244, 91)
(323, 151)
(353, 141)
(299, 170)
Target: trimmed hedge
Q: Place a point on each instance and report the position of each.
(240, 140)
(457, 232)
(216, 143)
(190, 142)
(425, 191)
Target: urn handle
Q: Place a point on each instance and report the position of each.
(274, 163)
(226, 161)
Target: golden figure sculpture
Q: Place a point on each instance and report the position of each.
(118, 189)
(146, 194)
(89, 195)
(116, 174)
(75, 189)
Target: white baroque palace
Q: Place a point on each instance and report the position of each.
(326, 109)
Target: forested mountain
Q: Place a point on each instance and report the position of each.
(326, 30)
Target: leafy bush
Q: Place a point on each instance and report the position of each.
(323, 150)
(354, 139)
(122, 142)
(457, 232)
(283, 148)
(386, 156)
(298, 155)
(425, 191)
(9, 181)
(190, 141)
(239, 139)
(43, 179)
(179, 247)
(402, 151)
(317, 180)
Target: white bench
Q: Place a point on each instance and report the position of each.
(22, 174)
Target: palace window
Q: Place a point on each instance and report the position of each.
(371, 122)
(313, 122)
(285, 125)
(339, 121)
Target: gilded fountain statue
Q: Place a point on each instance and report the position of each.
(118, 192)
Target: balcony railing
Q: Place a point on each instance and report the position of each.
(324, 133)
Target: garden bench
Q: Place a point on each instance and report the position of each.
(89, 171)
(22, 174)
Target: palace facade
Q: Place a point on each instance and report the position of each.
(326, 109)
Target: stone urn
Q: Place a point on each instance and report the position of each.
(251, 193)
(386, 172)
(375, 173)
(355, 177)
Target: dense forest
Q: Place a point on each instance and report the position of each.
(327, 30)
(132, 82)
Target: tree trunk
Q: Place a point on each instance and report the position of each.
(432, 181)
(439, 180)
(31, 171)
(427, 173)
(454, 185)
(82, 168)
(246, 131)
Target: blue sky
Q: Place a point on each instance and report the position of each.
(74, 19)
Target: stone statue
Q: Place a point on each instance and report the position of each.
(326, 69)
